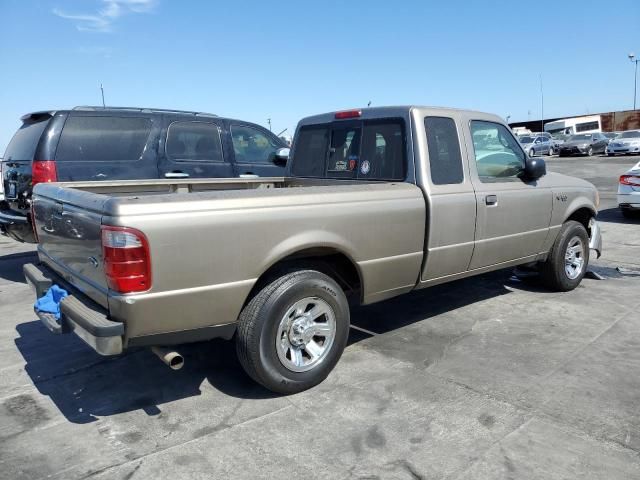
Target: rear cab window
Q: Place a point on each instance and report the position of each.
(359, 150)
(103, 138)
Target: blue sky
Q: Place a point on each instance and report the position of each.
(287, 59)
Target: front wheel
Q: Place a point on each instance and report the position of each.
(293, 331)
(567, 262)
(590, 152)
(532, 153)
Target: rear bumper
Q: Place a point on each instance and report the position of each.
(78, 314)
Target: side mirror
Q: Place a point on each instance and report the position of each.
(534, 168)
(281, 156)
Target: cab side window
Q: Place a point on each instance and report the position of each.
(445, 160)
(497, 153)
(251, 145)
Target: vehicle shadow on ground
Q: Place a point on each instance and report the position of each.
(11, 265)
(614, 215)
(84, 385)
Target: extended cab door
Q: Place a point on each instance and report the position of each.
(194, 148)
(513, 215)
(254, 150)
(451, 202)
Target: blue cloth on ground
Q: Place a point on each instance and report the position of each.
(50, 301)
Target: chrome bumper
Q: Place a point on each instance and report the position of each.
(595, 237)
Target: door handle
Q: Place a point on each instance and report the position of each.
(491, 200)
(176, 175)
(249, 175)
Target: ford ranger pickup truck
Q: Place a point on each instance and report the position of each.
(377, 202)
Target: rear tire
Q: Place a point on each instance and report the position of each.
(568, 259)
(279, 339)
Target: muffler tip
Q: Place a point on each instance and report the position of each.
(171, 358)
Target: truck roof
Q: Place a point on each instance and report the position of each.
(398, 111)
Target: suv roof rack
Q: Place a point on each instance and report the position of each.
(91, 108)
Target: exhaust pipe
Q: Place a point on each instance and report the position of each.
(173, 359)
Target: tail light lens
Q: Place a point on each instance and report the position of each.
(43, 171)
(632, 180)
(127, 264)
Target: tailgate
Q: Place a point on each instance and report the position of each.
(68, 228)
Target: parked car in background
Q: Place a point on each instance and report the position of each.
(584, 144)
(629, 192)
(536, 145)
(625, 143)
(95, 143)
(378, 202)
(611, 135)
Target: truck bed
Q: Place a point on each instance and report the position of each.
(211, 239)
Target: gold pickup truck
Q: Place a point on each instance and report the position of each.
(378, 202)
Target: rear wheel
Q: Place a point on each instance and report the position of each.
(293, 332)
(567, 262)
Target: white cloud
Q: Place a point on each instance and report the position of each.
(103, 19)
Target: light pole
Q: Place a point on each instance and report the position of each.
(635, 60)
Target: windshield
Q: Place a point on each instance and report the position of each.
(632, 134)
(526, 139)
(584, 136)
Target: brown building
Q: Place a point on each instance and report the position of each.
(608, 122)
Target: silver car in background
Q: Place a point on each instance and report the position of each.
(625, 143)
(536, 145)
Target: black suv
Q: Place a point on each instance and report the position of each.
(95, 143)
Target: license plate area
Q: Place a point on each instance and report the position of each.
(12, 190)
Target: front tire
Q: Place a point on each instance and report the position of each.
(532, 153)
(590, 152)
(293, 331)
(568, 260)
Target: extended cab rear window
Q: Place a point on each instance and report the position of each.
(104, 138)
(25, 140)
(363, 150)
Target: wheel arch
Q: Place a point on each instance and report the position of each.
(332, 260)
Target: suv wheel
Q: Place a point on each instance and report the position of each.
(293, 332)
(567, 262)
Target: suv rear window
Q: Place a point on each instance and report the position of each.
(364, 150)
(24, 142)
(96, 139)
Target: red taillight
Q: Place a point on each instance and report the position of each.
(632, 180)
(127, 264)
(348, 114)
(43, 171)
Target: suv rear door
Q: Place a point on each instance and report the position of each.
(194, 148)
(104, 146)
(21, 151)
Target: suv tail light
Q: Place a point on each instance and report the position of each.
(632, 180)
(127, 264)
(43, 171)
